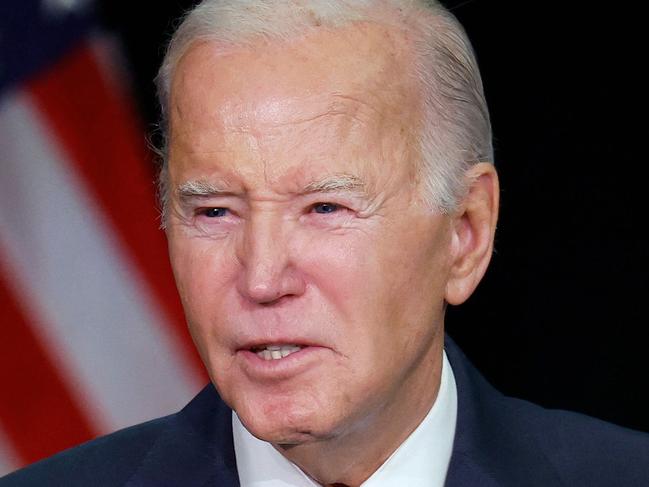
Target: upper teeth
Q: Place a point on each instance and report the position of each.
(275, 352)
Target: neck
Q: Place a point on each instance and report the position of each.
(351, 458)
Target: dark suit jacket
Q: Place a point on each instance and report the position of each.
(499, 441)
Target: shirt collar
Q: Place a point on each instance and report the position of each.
(421, 460)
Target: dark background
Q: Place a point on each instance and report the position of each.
(560, 317)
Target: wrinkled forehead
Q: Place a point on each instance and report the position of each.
(366, 64)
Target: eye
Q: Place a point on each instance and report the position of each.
(214, 212)
(324, 208)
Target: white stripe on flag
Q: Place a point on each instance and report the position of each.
(105, 329)
(8, 457)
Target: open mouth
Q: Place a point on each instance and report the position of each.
(275, 352)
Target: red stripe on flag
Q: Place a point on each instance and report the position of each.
(101, 137)
(38, 412)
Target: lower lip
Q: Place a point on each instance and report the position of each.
(278, 369)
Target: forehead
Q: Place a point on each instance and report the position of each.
(359, 58)
(320, 87)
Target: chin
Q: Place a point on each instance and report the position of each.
(278, 431)
(284, 422)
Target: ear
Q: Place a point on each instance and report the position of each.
(473, 228)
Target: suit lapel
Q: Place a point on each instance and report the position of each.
(493, 445)
(464, 471)
(196, 449)
(467, 467)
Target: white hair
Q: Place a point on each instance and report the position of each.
(455, 130)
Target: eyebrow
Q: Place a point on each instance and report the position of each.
(336, 183)
(200, 189)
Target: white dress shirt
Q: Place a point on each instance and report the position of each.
(421, 460)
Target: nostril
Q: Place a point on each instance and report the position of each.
(276, 301)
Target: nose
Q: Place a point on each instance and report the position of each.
(268, 272)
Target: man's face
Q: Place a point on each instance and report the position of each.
(296, 227)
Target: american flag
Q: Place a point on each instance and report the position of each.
(92, 336)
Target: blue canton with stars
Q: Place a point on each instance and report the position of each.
(34, 34)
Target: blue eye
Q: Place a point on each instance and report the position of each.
(215, 212)
(324, 208)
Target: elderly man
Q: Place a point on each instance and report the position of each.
(328, 190)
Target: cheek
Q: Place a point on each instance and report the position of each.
(391, 284)
(353, 299)
(339, 267)
(416, 258)
(202, 269)
(360, 272)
